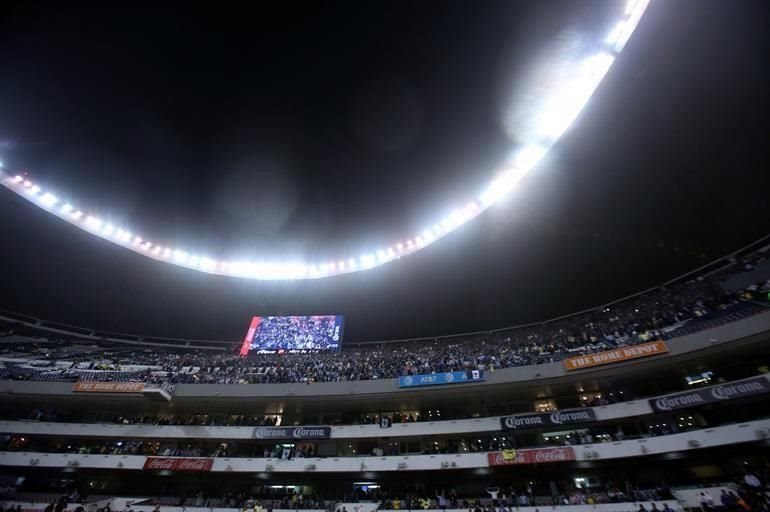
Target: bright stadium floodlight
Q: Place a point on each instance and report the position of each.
(528, 157)
(564, 107)
(49, 199)
(94, 223)
(614, 36)
(367, 261)
(555, 110)
(501, 186)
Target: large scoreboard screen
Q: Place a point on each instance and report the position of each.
(293, 334)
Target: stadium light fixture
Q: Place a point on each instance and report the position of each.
(49, 199)
(560, 107)
(528, 156)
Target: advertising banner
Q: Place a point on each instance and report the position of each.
(292, 433)
(712, 394)
(196, 464)
(108, 387)
(547, 419)
(534, 456)
(434, 379)
(617, 355)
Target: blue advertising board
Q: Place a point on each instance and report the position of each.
(435, 379)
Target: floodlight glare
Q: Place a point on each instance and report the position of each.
(617, 31)
(93, 223)
(527, 157)
(49, 199)
(555, 110)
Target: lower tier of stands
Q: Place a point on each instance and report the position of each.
(693, 440)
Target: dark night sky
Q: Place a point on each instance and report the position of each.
(327, 128)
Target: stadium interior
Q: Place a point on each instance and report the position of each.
(658, 401)
(99, 414)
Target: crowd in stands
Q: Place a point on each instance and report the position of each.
(509, 498)
(664, 313)
(456, 444)
(747, 492)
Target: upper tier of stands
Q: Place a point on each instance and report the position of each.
(692, 303)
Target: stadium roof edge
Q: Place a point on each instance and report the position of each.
(762, 243)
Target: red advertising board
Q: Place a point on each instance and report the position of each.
(178, 464)
(617, 355)
(535, 456)
(108, 387)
